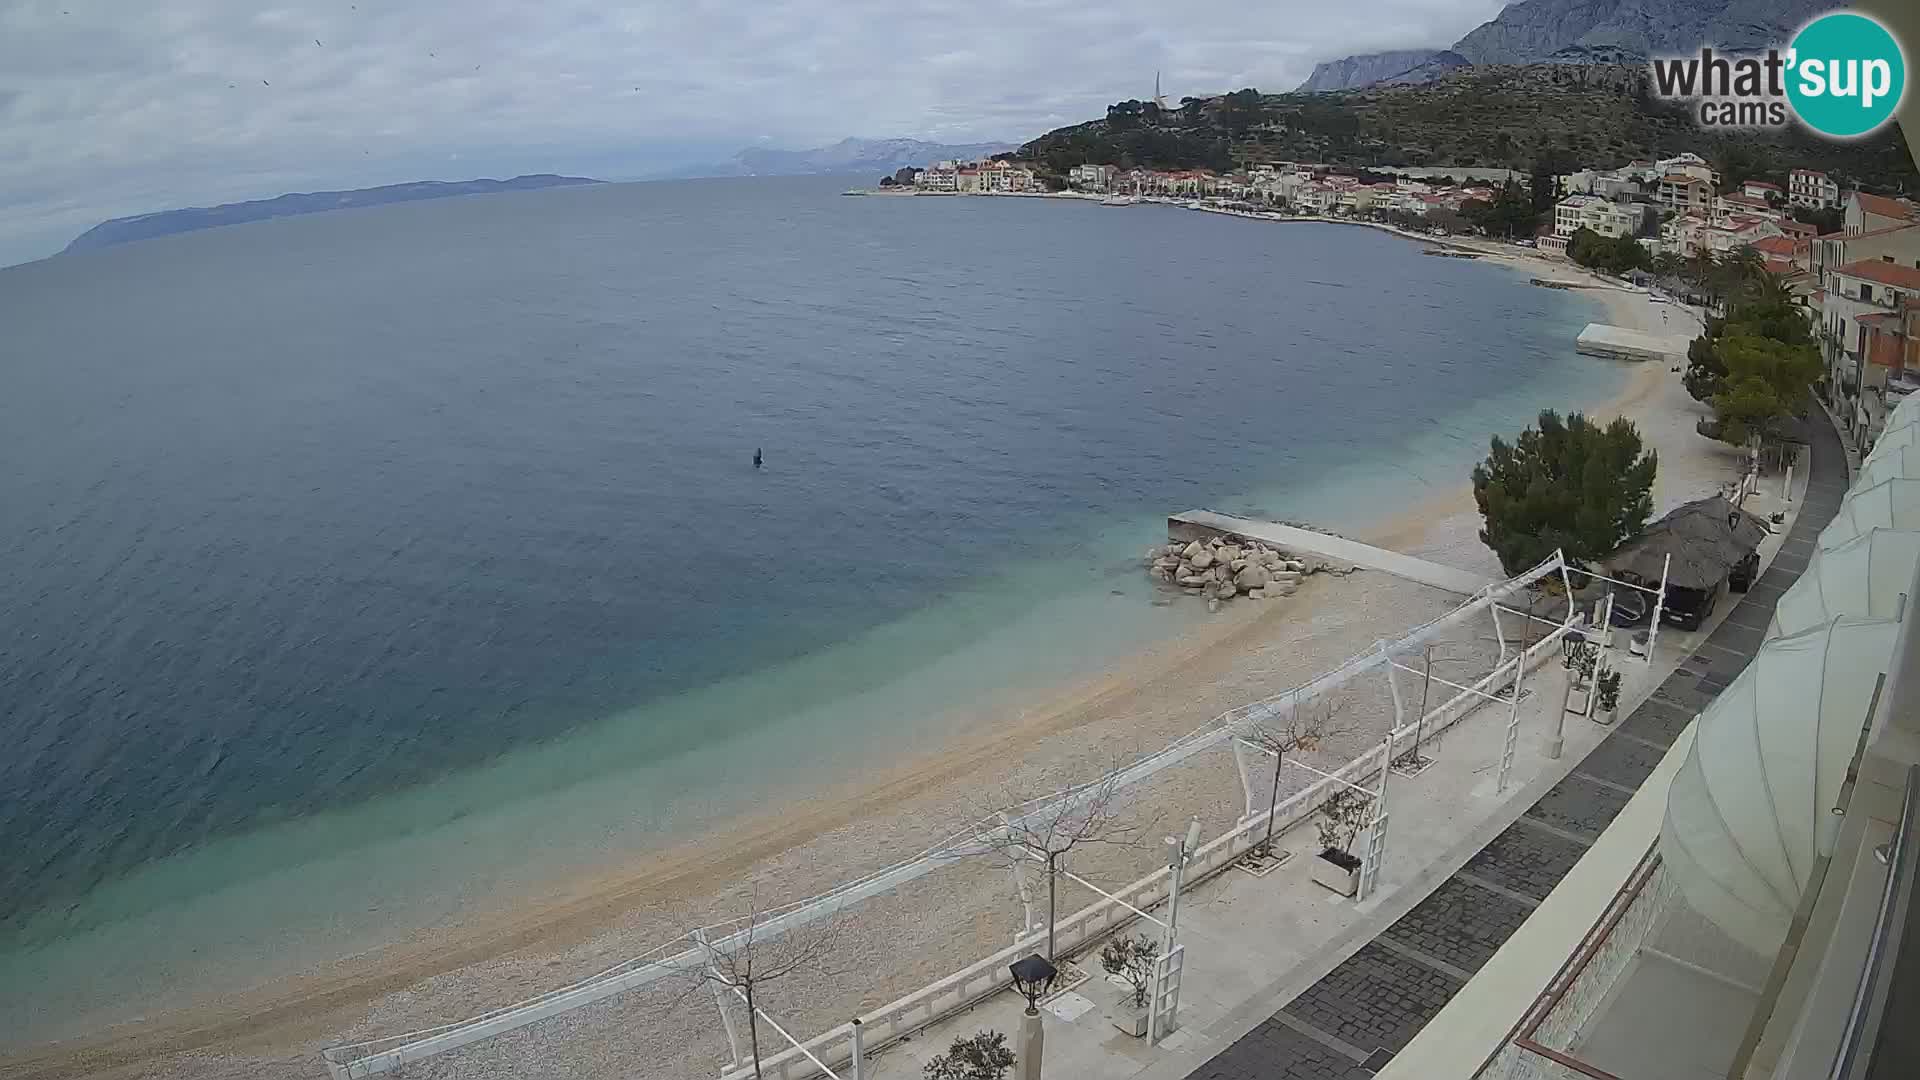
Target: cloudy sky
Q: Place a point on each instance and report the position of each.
(113, 107)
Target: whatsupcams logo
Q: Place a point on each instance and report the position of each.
(1843, 75)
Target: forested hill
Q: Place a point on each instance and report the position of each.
(168, 222)
(1565, 115)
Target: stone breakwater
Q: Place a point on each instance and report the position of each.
(1222, 569)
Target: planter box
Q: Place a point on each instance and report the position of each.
(1603, 716)
(1336, 870)
(1129, 1019)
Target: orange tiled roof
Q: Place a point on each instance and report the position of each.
(1886, 273)
(1776, 245)
(1881, 206)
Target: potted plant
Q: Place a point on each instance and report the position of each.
(1607, 691)
(1579, 659)
(981, 1056)
(1131, 960)
(1341, 818)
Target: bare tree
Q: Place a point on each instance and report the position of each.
(740, 958)
(1301, 728)
(1045, 830)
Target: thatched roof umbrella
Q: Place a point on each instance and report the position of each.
(1707, 538)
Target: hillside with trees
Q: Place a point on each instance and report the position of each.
(1541, 117)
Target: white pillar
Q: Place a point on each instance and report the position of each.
(1026, 897)
(720, 1002)
(1029, 1046)
(1499, 634)
(1393, 687)
(1659, 605)
(1246, 780)
(1513, 723)
(859, 1051)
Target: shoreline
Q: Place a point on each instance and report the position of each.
(331, 1005)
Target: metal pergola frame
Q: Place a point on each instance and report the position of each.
(369, 1058)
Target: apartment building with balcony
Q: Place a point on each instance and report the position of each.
(1098, 178)
(1684, 193)
(1812, 188)
(1863, 302)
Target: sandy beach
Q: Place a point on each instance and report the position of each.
(934, 925)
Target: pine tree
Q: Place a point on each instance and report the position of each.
(1567, 485)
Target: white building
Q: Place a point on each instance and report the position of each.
(1688, 165)
(1683, 192)
(1870, 286)
(1091, 177)
(1871, 213)
(1007, 178)
(1604, 216)
(1810, 187)
(1607, 184)
(941, 176)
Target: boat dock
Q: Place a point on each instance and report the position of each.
(1203, 524)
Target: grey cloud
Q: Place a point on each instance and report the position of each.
(119, 109)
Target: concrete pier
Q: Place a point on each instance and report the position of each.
(1205, 524)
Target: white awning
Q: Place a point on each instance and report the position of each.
(1898, 463)
(1895, 438)
(1749, 810)
(1864, 575)
(1890, 504)
(1904, 413)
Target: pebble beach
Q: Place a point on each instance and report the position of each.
(1248, 649)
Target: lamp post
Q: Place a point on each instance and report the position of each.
(1032, 976)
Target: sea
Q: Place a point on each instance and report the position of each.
(364, 570)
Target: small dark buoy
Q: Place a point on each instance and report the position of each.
(756, 457)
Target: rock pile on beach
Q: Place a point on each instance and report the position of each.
(1222, 568)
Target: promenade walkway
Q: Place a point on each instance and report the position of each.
(1350, 1023)
(1195, 523)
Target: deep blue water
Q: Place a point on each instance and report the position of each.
(300, 514)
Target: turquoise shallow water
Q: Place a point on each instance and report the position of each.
(375, 566)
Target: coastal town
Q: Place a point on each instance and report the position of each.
(1849, 258)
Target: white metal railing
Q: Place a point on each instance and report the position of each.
(924, 1006)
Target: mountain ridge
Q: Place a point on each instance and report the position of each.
(1363, 69)
(135, 227)
(1556, 116)
(1607, 31)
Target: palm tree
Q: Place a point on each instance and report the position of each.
(1699, 272)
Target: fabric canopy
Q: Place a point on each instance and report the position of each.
(1904, 413)
(1864, 575)
(1706, 538)
(1897, 463)
(1749, 810)
(1890, 504)
(1895, 438)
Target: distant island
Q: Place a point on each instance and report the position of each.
(168, 222)
(846, 157)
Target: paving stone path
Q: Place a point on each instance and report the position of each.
(1349, 1025)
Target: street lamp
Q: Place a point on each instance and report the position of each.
(1032, 976)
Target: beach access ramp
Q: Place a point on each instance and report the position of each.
(1202, 524)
